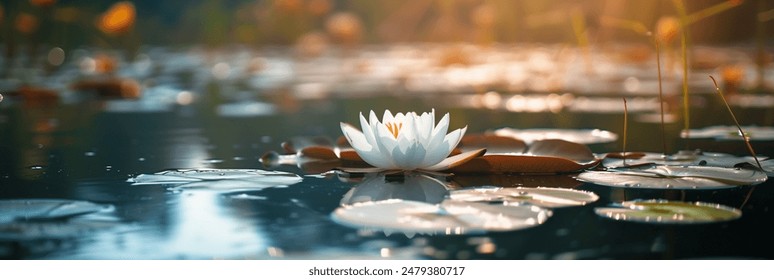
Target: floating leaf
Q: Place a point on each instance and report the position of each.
(755, 133)
(449, 217)
(561, 148)
(541, 157)
(319, 152)
(227, 185)
(543, 197)
(680, 158)
(296, 144)
(582, 136)
(669, 212)
(186, 176)
(492, 143)
(674, 177)
(412, 186)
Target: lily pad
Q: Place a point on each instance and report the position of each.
(724, 133)
(493, 143)
(581, 136)
(674, 177)
(543, 197)
(414, 187)
(187, 176)
(669, 212)
(449, 217)
(695, 158)
(35, 219)
(541, 157)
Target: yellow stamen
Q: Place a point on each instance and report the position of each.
(394, 128)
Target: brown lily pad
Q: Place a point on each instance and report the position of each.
(551, 156)
(296, 144)
(492, 143)
(318, 152)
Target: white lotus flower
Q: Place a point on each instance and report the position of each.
(407, 142)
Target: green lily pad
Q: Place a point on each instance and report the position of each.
(669, 212)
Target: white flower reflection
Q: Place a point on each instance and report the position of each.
(414, 203)
(406, 141)
(412, 186)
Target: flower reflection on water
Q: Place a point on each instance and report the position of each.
(414, 203)
(411, 186)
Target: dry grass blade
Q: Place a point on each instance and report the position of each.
(741, 132)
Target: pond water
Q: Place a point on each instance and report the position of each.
(87, 150)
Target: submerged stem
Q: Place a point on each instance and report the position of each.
(739, 127)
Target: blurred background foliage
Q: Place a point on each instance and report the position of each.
(214, 23)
